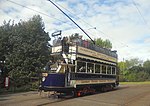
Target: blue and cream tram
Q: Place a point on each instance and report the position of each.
(80, 67)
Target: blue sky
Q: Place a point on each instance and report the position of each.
(126, 23)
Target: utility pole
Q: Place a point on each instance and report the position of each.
(123, 66)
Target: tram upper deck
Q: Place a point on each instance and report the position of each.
(83, 49)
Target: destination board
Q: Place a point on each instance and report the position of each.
(95, 54)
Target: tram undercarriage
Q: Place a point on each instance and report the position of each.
(82, 90)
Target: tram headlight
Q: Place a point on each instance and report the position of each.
(43, 79)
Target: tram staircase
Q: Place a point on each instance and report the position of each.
(68, 58)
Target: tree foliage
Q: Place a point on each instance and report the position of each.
(99, 42)
(133, 62)
(146, 65)
(134, 70)
(25, 48)
(103, 43)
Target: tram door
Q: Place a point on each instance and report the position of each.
(67, 76)
(69, 69)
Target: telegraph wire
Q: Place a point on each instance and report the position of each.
(63, 21)
(90, 25)
(71, 19)
(82, 19)
(75, 15)
(37, 11)
(138, 10)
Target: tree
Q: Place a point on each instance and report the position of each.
(132, 70)
(136, 69)
(103, 43)
(133, 62)
(25, 47)
(99, 42)
(107, 44)
(5, 46)
(74, 36)
(146, 65)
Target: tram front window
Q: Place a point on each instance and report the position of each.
(53, 67)
(56, 60)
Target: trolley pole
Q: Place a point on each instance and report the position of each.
(72, 20)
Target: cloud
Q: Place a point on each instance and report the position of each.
(116, 20)
(147, 41)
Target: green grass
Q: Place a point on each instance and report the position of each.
(145, 82)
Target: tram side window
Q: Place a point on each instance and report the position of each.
(113, 70)
(97, 68)
(81, 66)
(103, 69)
(90, 68)
(73, 69)
(109, 70)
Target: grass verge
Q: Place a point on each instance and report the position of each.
(145, 82)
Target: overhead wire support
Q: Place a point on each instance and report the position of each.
(71, 20)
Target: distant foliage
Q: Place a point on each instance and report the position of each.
(134, 70)
(25, 48)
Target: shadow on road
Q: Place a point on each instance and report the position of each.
(65, 98)
(2, 99)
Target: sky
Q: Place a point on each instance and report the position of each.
(126, 23)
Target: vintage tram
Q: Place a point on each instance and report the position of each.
(77, 66)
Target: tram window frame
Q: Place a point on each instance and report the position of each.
(100, 68)
(113, 70)
(104, 71)
(90, 67)
(108, 69)
(97, 68)
(72, 69)
(81, 64)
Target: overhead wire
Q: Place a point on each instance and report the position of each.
(74, 14)
(82, 19)
(102, 31)
(65, 22)
(142, 17)
(37, 11)
(71, 20)
(91, 25)
(140, 13)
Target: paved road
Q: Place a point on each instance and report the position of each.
(125, 95)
